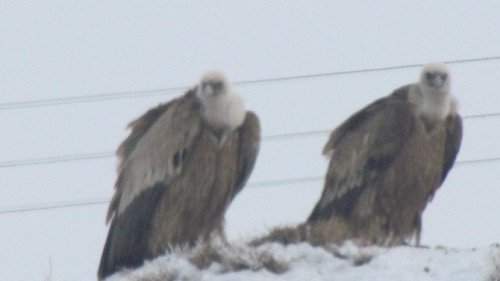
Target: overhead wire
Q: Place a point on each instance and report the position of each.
(258, 184)
(109, 154)
(133, 94)
(171, 90)
(130, 94)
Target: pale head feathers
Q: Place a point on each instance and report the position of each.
(212, 83)
(432, 92)
(435, 78)
(222, 108)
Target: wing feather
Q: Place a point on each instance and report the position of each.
(138, 128)
(154, 151)
(361, 149)
(249, 136)
(453, 141)
(125, 244)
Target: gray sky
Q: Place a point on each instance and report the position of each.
(64, 49)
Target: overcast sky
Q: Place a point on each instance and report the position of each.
(94, 49)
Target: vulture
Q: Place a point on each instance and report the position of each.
(179, 169)
(387, 161)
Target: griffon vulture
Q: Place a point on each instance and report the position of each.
(388, 160)
(180, 168)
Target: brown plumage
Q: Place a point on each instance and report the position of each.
(179, 170)
(388, 160)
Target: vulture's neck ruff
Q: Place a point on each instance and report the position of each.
(222, 109)
(431, 96)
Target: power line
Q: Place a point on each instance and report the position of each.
(260, 184)
(104, 155)
(483, 115)
(170, 90)
(89, 98)
(91, 202)
(477, 161)
(56, 205)
(375, 69)
(271, 183)
(55, 159)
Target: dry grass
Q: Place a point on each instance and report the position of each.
(329, 236)
(217, 256)
(221, 257)
(316, 234)
(336, 230)
(235, 258)
(283, 235)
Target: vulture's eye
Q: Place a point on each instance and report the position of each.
(218, 85)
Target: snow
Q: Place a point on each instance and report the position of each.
(306, 262)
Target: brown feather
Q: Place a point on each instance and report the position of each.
(138, 128)
(248, 149)
(148, 153)
(186, 204)
(453, 142)
(384, 168)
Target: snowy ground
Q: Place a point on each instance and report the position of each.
(348, 262)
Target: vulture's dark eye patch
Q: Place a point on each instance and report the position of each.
(218, 85)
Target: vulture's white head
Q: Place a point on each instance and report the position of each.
(435, 79)
(213, 84)
(222, 108)
(434, 87)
